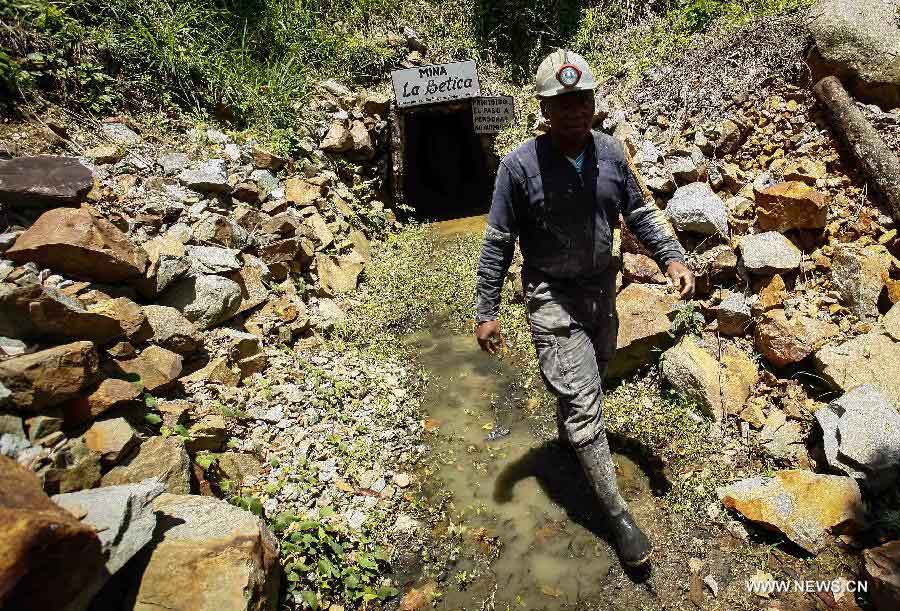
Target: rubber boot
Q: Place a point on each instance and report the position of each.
(631, 543)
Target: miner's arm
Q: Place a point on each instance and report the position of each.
(498, 246)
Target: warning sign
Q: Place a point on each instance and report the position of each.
(491, 114)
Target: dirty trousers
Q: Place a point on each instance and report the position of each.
(574, 328)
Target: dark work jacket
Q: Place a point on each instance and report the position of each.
(564, 218)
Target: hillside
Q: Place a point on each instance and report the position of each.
(236, 302)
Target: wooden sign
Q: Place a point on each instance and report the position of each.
(437, 83)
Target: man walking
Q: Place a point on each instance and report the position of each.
(561, 194)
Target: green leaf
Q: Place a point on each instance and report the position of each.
(152, 419)
(293, 577)
(385, 592)
(206, 460)
(366, 561)
(181, 431)
(325, 567)
(310, 599)
(326, 511)
(149, 400)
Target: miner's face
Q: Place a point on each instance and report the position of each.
(570, 114)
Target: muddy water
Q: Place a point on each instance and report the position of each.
(532, 535)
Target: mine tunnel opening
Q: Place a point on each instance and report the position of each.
(448, 169)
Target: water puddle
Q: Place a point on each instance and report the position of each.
(532, 536)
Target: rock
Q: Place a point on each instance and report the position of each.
(11, 425)
(338, 273)
(208, 433)
(170, 329)
(48, 377)
(38, 312)
(163, 459)
(127, 314)
(362, 143)
(695, 207)
(375, 103)
(110, 394)
(361, 245)
(81, 244)
(731, 137)
(214, 557)
(859, 276)
(120, 133)
(221, 231)
(5, 395)
(156, 368)
(686, 169)
(641, 268)
(111, 439)
(892, 322)
(783, 342)
(338, 139)
(302, 192)
(714, 386)
(124, 519)
(768, 253)
(733, 315)
(105, 153)
(213, 260)
(253, 290)
(790, 205)
(75, 468)
(771, 295)
(204, 300)
(861, 436)
(172, 163)
(267, 160)
(644, 325)
(41, 426)
(805, 170)
(802, 505)
(208, 177)
(320, 231)
(239, 467)
(866, 359)
(859, 40)
(882, 566)
(246, 192)
(218, 370)
(44, 181)
(41, 544)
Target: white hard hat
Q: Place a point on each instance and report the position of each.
(562, 72)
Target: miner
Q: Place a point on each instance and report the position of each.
(561, 195)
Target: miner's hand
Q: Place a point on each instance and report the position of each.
(489, 338)
(682, 278)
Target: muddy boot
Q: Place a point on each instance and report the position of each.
(632, 545)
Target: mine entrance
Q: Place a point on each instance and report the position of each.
(447, 169)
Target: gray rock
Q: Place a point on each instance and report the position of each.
(233, 151)
(11, 424)
(41, 426)
(858, 275)
(171, 330)
(768, 253)
(220, 230)
(8, 239)
(124, 519)
(860, 41)
(330, 314)
(265, 181)
(205, 300)
(11, 347)
(172, 163)
(861, 436)
(217, 137)
(120, 133)
(695, 207)
(733, 314)
(44, 181)
(207, 177)
(213, 260)
(12, 445)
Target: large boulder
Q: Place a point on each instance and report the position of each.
(338, 273)
(80, 243)
(859, 275)
(882, 565)
(124, 519)
(162, 458)
(717, 388)
(859, 40)
(861, 436)
(790, 205)
(644, 325)
(695, 207)
(156, 368)
(48, 377)
(204, 300)
(866, 359)
(784, 341)
(803, 505)
(112, 439)
(40, 312)
(209, 176)
(46, 555)
(220, 230)
(110, 394)
(768, 253)
(214, 557)
(44, 181)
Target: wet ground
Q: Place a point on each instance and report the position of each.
(532, 536)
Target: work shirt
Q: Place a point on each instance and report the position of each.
(563, 218)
